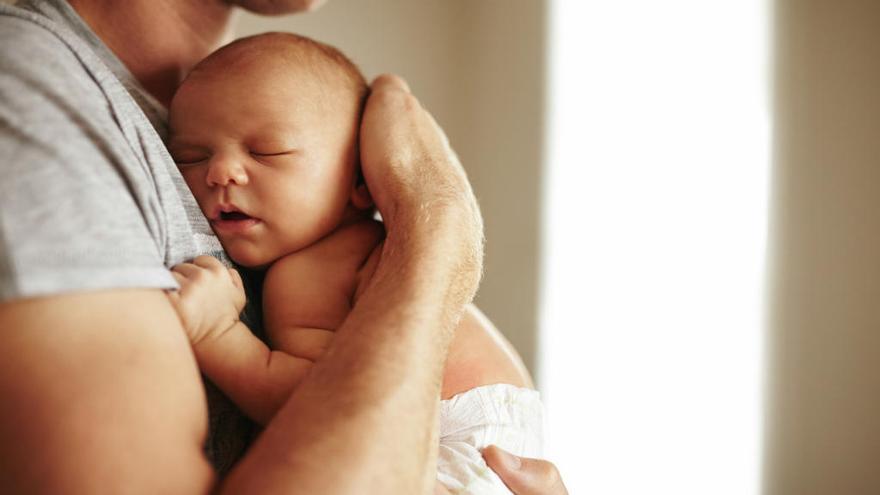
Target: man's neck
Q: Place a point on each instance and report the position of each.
(159, 40)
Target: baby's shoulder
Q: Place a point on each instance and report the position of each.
(480, 355)
(357, 237)
(347, 246)
(334, 259)
(315, 286)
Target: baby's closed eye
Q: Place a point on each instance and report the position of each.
(272, 152)
(264, 146)
(188, 155)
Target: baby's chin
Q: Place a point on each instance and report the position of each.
(249, 257)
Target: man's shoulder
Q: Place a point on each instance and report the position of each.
(51, 90)
(83, 204)
(32, 42)
(42, 66)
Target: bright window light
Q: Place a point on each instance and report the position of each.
(655, 223)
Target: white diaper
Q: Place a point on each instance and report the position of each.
(503, 415)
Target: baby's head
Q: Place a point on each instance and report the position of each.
(265, 133)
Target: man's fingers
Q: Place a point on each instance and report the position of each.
(393, 111)
(524, 476)
(389, 82)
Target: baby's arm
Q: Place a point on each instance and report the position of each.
(209, 302)
(307, 295)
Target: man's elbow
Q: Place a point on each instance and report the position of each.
(196, 477)
(101, 394)
(154, 476)
(88, 474)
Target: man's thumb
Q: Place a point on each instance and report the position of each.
(524, 476)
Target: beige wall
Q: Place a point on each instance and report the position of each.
(823, 433)
(477, 65)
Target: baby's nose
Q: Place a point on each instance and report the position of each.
(225, 171)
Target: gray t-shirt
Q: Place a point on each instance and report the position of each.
(89, 197)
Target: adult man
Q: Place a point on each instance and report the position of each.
(100, 391)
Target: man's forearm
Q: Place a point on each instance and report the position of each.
(363, 421)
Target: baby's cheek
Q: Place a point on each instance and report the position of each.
(186, 173)
(193, 182)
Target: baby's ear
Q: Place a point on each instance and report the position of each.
(360, 196)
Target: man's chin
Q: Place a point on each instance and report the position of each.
(278, 7)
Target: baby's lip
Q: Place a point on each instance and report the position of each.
(229, 220)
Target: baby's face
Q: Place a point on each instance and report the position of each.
(269, 156)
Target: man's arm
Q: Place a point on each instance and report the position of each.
(100, 394)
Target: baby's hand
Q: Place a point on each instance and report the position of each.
(210, 297)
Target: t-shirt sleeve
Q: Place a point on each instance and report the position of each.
(68, 218)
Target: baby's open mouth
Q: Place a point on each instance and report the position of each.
(233, 222)
(233, 215)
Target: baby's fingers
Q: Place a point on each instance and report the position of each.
(174, 294)
(179, 278)
(236, 278)
(187, 270)
(208, 262)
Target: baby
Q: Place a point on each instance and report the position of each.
(265, 133)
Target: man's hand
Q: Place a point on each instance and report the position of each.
(406, 158)
(210, 297)
(524, 476)
(417, 182)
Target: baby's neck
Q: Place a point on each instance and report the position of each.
(353, 215)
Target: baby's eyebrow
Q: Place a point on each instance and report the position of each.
(182, 143)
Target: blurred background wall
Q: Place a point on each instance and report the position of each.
(823, 434)
(478, 67)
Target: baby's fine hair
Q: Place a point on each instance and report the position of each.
(326, 61)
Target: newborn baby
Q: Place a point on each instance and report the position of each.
(265, 132)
